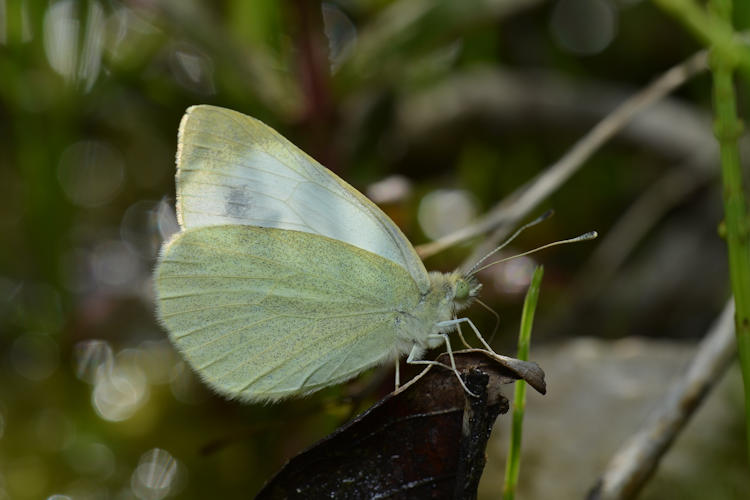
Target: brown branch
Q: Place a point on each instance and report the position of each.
(510, 211)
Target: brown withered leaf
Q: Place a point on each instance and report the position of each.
(426, 440)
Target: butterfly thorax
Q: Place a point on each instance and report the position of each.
(448, 293)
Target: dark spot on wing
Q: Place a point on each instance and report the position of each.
(237, 204)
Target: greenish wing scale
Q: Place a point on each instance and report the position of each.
(259, 320)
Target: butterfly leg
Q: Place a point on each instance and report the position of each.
(398, 375)
(461, 334)
(415, 352)
(456, 322)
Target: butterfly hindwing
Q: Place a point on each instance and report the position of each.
(264, 313)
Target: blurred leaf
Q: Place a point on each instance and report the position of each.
(406, 31)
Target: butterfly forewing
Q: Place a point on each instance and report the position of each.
(233, 169)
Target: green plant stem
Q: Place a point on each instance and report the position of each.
(728, 53)
(714, 30)
(728, 129)
(513, 465)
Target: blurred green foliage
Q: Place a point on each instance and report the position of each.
(91, 94)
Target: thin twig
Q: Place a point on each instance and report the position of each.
(525, 199)
(633, 464)
(533, 98)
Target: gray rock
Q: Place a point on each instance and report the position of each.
(599, 393)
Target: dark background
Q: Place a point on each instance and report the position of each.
(463, 101)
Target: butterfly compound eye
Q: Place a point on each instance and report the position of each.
(462, 289)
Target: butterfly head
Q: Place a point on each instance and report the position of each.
(465, 289)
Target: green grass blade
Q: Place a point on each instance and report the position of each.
(513, 465)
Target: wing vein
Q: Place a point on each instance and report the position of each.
(347, 340)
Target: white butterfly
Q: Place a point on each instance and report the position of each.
(284, 278)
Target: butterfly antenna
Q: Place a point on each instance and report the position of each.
(584, 237)
(546, 215)
(497, 319)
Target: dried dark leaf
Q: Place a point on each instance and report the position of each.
(426, 440)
